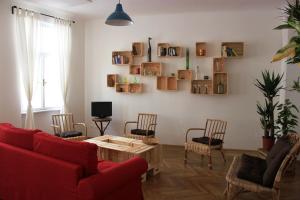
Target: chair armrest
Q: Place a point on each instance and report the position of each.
(112, 179)
(232, 171)
(128, 122)
(192, 129)
(83, 125)
(149, 127)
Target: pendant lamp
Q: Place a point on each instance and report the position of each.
(119, 17)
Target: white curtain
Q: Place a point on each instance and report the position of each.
(27, 33)
(63, 31)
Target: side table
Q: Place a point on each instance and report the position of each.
(100, 121)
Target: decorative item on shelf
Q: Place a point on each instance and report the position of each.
(149, 49)
(197, 73)
(220, 88)
(134, 51)
(232, 49)
(206, 77)
(172, 74)
(206, 88)
(187, 61)
(162, 51)
(119, 17)
(202, 52)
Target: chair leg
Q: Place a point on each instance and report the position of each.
(276, 195)
(209, 161)
(223, 155)
(185, 156)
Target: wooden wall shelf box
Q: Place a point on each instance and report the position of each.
(202, 87)
(151, 69)
(185, 74)
(112, 79)
(201, 49)
(122, 58)
(166, 83)
(135, 69)
(129, 87)
(232, 49)
(220, 77)
(167, 50)
(138, 49)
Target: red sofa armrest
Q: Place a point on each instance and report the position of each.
(110, 180)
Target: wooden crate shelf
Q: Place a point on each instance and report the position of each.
(220, 83)
(203, 87)
(135, 69)
(201, 49)
(185, 74)
(121, 57)
(151, 69)
(138, 49)
(122, 87)
(166, 83)
(232, 49)
(112, 79)
(129, 87)
(135, 87)
(167, 50)
(218, 65)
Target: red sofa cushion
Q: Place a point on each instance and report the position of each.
(81, 153)
(105, 164)
(17, 136)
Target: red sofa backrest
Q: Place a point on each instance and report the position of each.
(81, 153)
(28, 175)
(19, 137)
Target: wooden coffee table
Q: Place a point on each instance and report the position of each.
(118, 149)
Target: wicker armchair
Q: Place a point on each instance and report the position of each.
(235, 185)
(212, 139)
(64, 126)
(145, 126)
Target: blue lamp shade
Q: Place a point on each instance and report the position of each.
(119, 17)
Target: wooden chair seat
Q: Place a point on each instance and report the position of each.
(64, 126)
(205, 140)
(67, 134)
(212, 139)
(236, 185)
(145, 126)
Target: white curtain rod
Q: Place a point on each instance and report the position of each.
(15, 7)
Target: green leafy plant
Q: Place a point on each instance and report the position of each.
(287, 120)
(270, 85)
(292, 49)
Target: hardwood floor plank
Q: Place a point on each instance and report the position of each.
(194, 181)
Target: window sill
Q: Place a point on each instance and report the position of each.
(42, 110)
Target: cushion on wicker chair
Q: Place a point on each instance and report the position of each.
(205, 140)
(142, 132)
(252, 169)
(274, 160)
(67, 134)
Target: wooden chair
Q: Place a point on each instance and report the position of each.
(145, 126)
(212, 139)
(64, 126)
(235, 185)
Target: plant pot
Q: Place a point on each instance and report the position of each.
(268, 143)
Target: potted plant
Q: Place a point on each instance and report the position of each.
(270, 87)
(287, 120)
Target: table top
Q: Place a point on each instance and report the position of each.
(105, 119)
(123, 144)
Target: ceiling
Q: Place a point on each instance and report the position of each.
(101, 8)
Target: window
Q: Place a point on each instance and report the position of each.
(46, 87)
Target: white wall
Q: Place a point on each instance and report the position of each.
(180, 110)
(10, 108)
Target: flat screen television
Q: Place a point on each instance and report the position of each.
(101, 109)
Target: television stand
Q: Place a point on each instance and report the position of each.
(99, 121)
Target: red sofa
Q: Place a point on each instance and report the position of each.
(38, 166)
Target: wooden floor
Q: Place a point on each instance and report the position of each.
(195, 181)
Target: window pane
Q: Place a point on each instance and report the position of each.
(52, 87)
